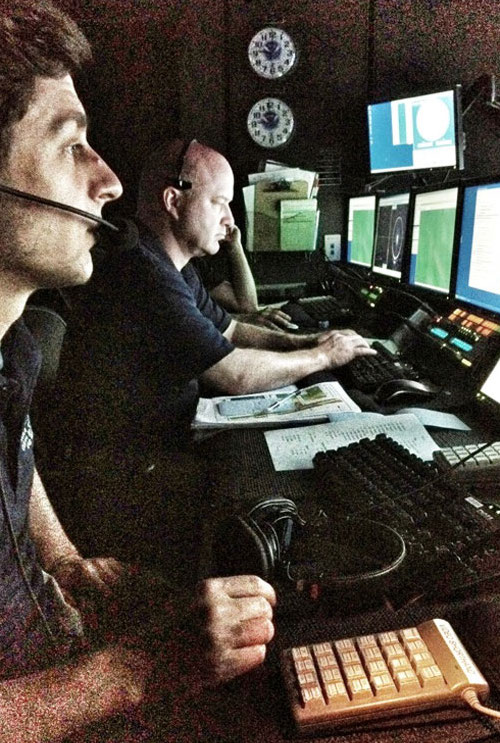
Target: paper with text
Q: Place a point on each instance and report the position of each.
(294, 448)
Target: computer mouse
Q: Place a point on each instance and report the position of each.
(397, 391)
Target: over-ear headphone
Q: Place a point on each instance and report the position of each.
(271, 539)
(257, 541)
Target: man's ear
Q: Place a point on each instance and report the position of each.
(170, 200)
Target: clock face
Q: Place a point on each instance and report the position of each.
(272, 53)
(270, 122)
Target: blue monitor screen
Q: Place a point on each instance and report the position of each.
(414, 133)
(360, 230)
(432, 239)
(390, 234)
(478, 269)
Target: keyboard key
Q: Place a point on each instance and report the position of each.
(359, 688)
(383, 685)
(310, 695)
(406, 681)
(336, 692)
(422, 660)
(431, 677)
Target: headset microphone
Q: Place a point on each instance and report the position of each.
(58, 205)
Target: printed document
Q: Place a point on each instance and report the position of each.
(294, 448)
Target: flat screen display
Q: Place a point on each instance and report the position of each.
(478, 267)
(432, 239)
(360, 230)
(491, 385)
(417, 133)
(390, 234)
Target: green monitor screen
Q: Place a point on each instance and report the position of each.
(360, 230)
(432, 239)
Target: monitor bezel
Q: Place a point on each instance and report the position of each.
(456, 89)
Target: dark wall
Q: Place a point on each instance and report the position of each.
(166, 67)
(421, 45)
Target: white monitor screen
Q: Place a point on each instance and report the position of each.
(478, 268)
(491, 387)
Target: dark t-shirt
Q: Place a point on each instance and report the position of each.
(213, 269)
(25, 644)
(140, 334)
(117, 437)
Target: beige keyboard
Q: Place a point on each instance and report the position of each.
(378, 676)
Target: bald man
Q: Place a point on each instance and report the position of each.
(147, 332)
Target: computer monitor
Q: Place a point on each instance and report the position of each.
(360, 230)
(491, 385)
(432, 236)
(478, 264)
(390, 234)
(417, 133)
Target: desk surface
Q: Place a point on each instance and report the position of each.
(253, 708)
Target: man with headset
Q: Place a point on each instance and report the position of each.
(141, 336)
(53, 683)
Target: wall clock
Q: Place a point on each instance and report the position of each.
(270, 122)
(272, 53)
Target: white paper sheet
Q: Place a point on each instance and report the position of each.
(294, 448)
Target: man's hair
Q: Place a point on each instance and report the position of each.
(36, 39)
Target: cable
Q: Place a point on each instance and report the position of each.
(424, 305)
(440, 476)
(57, 205)
(469, 696)
(326, 572)
(19, 560)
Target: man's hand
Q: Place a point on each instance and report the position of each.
(233, 237)
(98, 576)
(342, 346)
(226, 632)
(269, 317)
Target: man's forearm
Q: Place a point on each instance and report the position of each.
(242, 279)
(246, 335)
(50, 539)
(247, 370)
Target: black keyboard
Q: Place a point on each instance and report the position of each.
(452, 538)
(317, 312)
(367, 373)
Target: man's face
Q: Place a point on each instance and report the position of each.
(206, 214)
(49, 156)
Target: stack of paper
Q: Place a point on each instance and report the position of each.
(273, 223)
(288, 405)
